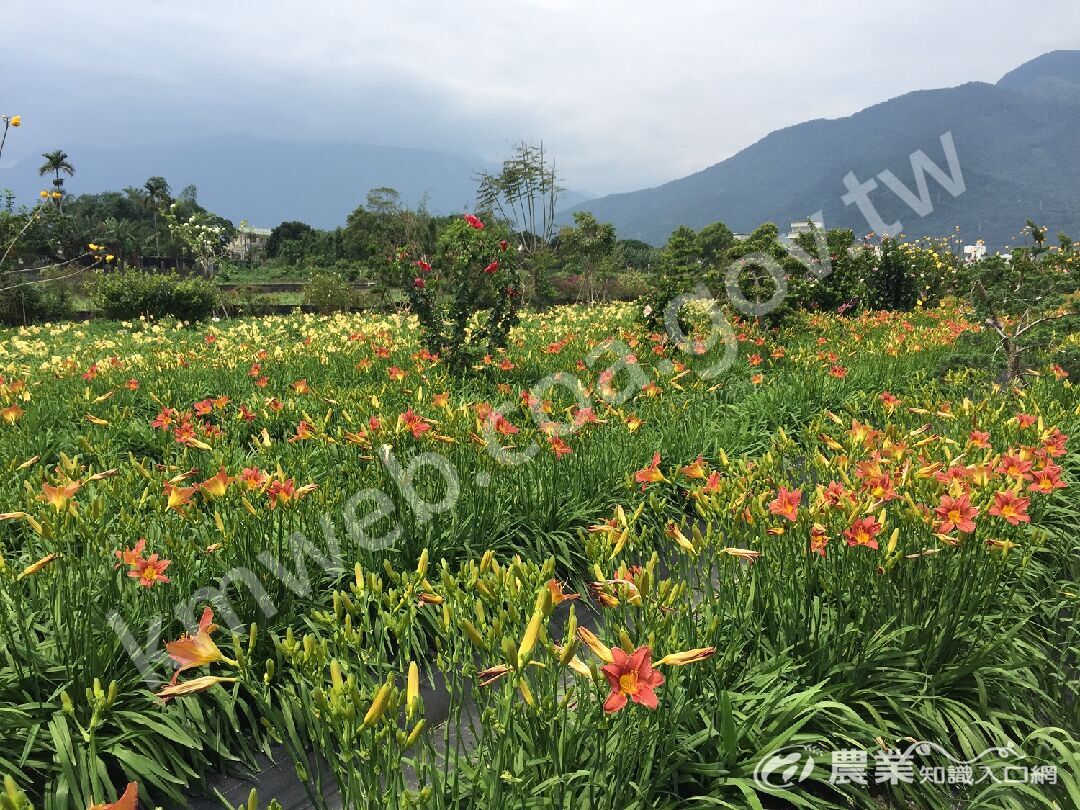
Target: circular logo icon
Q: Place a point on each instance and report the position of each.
(784, 767)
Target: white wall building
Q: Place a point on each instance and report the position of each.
(248, 243)
(972, 253)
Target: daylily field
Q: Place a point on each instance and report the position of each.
(589, 573)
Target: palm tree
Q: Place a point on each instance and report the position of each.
(157, 195)
(55, 163)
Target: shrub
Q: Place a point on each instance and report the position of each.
(329, 292)
(249, 301)
(130, 294)
(32, 303)
(467, 299)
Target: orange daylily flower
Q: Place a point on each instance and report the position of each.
(631, 677)
(651, 474)
(129, 801)
(695, 469)
(11, 414)
(179, 497)
(150, 571)
(863, 532)
(191, 652)
(58, 497)
(956, 513)
(217, 485)
(559, 447)
(1010, 507)
(558, 594)
(130, 556)
(1014, 466)
(786, 503)
(1047, 480)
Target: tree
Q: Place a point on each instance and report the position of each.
(589, 243)
(121, 235)
(384, 201)
(713, 241)
(157, 197)
(285, 232)
(56, 163)
(678, 267)
(1033, 289)
(523, 194)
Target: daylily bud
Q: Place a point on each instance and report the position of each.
(412, 695)
(599, 649)
(474, 635)
(531, 633)
(378, 705)
(414, 735)
(689, 657)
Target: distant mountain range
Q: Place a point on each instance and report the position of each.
(267, 182)
(1017, 143)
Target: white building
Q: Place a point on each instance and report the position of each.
(249, 243)
(972, 253)
(807, 225)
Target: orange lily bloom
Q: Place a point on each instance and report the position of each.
(631, 677)
(651, 474)
(129, 801)
(786, 503)
(217, 485)
(58, 497)
(178, 496)
(199, 650)
(150, 571)
(11, 414)
(695, 469)
(130, 556)
(863, 532)
(558, 595)
(956, 513)
(1010, 507)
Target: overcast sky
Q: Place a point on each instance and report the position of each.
(625, 93)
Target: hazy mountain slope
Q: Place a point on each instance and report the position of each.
(1018, 144)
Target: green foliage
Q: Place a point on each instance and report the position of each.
(127, 295)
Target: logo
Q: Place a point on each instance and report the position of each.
(784, 767)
